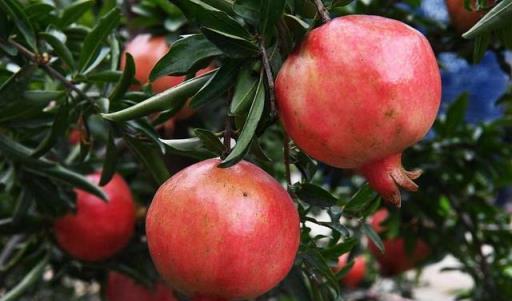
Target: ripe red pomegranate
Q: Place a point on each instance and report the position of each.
(461, 18)
(123, 288)
(357, 92)
(356, 274)
(99, 229)
(225, 233)
(395, 258)
(74, 136)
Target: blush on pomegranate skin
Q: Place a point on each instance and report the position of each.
(99, 229)
(358, 91)
(222, 233)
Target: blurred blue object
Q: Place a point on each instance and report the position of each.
(484, 82)
(435, 10)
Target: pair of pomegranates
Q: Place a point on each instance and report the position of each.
(354, 94)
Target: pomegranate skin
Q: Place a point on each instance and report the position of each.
(217, 233)
(396, 259)
(357, 92)
(99, 229)
(461, 18)
(356, 274)
(123, 288)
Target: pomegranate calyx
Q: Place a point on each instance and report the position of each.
(387, 175)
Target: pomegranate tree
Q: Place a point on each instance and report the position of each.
(357, 92)
(123, 288)
(222, 233)
(396, 258)
(98, 229)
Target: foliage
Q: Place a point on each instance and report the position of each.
(59, 73)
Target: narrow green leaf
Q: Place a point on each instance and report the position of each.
(43, 95)
(102, 76)
(189, 147)
(361, 199)
(23, 204)
(96, 37)
(481, 44)
(186, 55)
(58, 129)
(32, 277)
(341, 248)
(231, 45)
(314, 195)
(60, 48)
(249, 10)
(455, 114)
(373, 236)
(104, 52)
(150, 157)
(270, 12)
(74, 11)
(249, 128)
(125, 80)
(244, 92)
(110, 160)
(496, 18)
(217, 85)
(210, 141)
(15, 9)
(167, 100)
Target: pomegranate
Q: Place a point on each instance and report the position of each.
(123, 288)
(222, 233)
(74, 136)
(99, 229)
(461, 18)
(356, 274)
(357, 92)
(395, 258)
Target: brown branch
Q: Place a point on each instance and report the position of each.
(322, 11)
(269, 76)
(228, 130)
(42, 61)
(286, 157)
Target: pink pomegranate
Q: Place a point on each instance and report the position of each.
(123, 288)
(222, 233)
(357, 92)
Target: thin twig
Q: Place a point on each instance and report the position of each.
(324, 13)
(228, 131)
(269, 76)
(286, 157)
(47, 68)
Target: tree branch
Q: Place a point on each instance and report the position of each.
(324, 13)
(269, 76)
(286, 158)
(42, 62)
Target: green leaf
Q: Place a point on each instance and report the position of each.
(244, 92)
(95, 38)
(373, 236)
(361, 199)
(231, 45)
(167, 100)
(74, 11)
(249, 128)
(270, 12)
(314, 195)
(23, 204)
(16, 11)
(481, 44)
(249, 10)
(104, 52)
(210, 141)
(60, 48)
(186, 55)
(217, 85)
(495, 19)
(43, 95)
(32, 277)
(189, 147)
(341, 248)
(150, 157)
(455, 114)
(110, 161)
(102, 76)
(59, 127)
(125, 80)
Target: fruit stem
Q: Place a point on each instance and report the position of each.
(227, 129)
(322, 11)
(387, 175)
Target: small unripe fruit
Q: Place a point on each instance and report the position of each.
(356, 273)
(123, 288)
(396, 258)
(357, 92)
(222, 233)
(99, 229)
